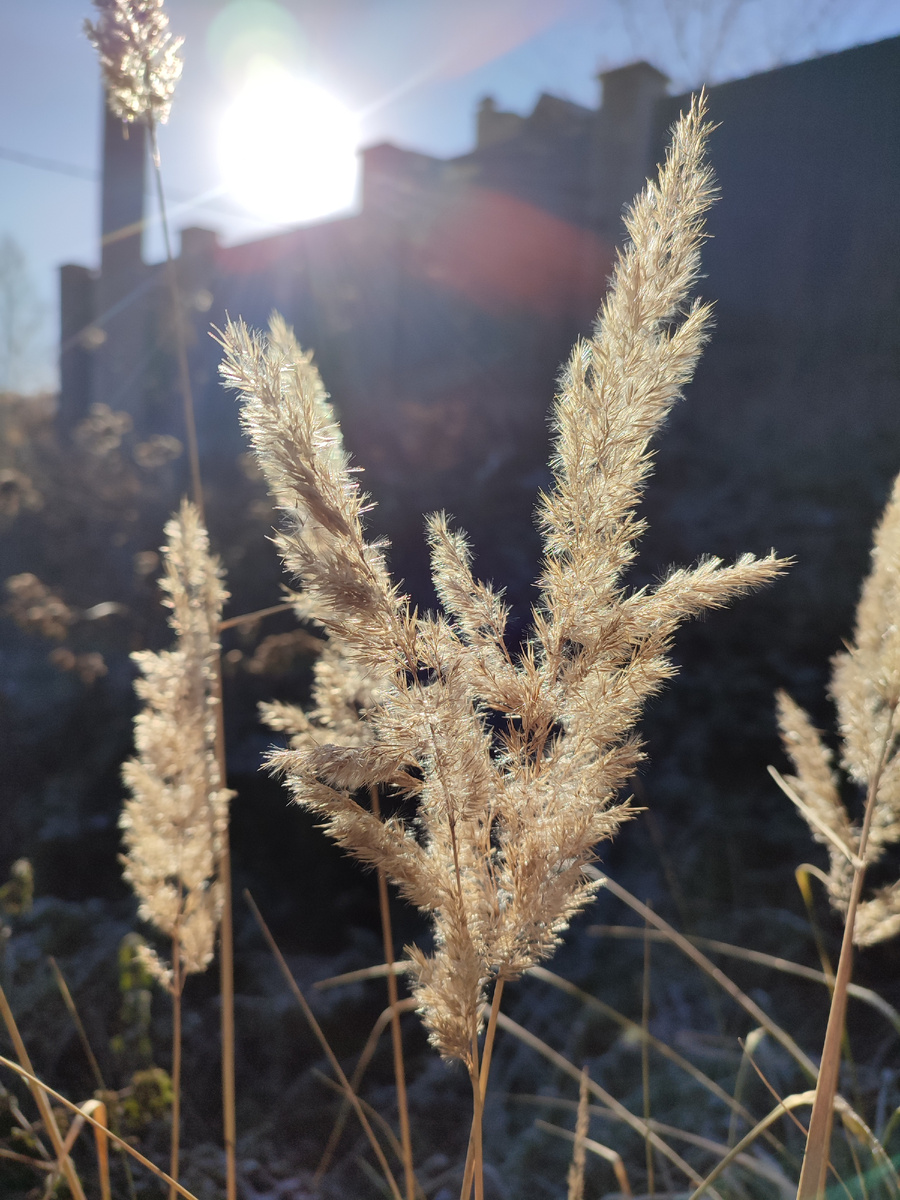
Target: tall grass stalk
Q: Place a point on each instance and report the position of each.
(38, 1087)
(176, 991)
(140, 64)
(40, 1093)
(865, 685)
(384, 910)
(316, 1028)
(814, 1172)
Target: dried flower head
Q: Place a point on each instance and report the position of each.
(138, 57)
(88, 667)
(158, 451)
(102, 430)
(17, 492)
(516, 760)
(865, 685)
(177, 817)
(36, 609)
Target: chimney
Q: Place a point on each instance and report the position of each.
(120, 300)
(494, 126)
(122, 203)
(622, 151)
(76, 297)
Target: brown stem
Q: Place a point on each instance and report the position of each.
(323, 1042)
(645, 1059)
(396, 1033)
(249, 618)
(69, 1002)
(226, 964)
(359, 1071)
(476, 1138)
(43, 1105)
(77, 1022)
(815, 1159)
(177, 984)
(486, 1055)
(38, 1087)
(490, 1034)
(226, 937)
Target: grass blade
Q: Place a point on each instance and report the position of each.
(37, 1086)
(636, 1123)
(38, 1091)
(775, 1031)
(605, 1152)
(323, 1042)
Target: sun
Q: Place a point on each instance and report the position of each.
(288, 149)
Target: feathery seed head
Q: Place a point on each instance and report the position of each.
(865, 685)
(138, 58)
(176, 818)
(516, 760)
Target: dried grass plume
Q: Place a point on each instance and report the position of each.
(177, 816)
(516, 760)
(138, 57)
(865, 686)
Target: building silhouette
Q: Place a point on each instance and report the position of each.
(441, 311)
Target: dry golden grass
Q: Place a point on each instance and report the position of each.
(516, 759)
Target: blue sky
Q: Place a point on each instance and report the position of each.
(413, 69)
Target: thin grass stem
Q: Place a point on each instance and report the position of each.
(857, 1166)
(27, 1160)
(38, 1087)
(780, 1035)
(892, 1124)
(252, 617)
(759, 957)
(376, 1119)
(379, 971)
(645, 1056)
(802, 875)
(749, 1044)
(76, 1021)
(177, 986)
(226, 935)
(407, 1005)
(101, 1141)
(476, 1138)
(489, 1036)
(815, 1159)
(487, 1055)
(64, 1162)
(396, 1032)
(323, 1042)
(226, 962)
(605, 1152)
(69, 1002)
(617, 1108)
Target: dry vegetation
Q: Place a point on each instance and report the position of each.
(513, 761)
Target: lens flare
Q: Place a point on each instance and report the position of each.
(287, 148)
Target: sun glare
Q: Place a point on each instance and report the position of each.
(287, 149)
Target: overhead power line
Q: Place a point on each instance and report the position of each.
(92, 175)
(48, 164)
